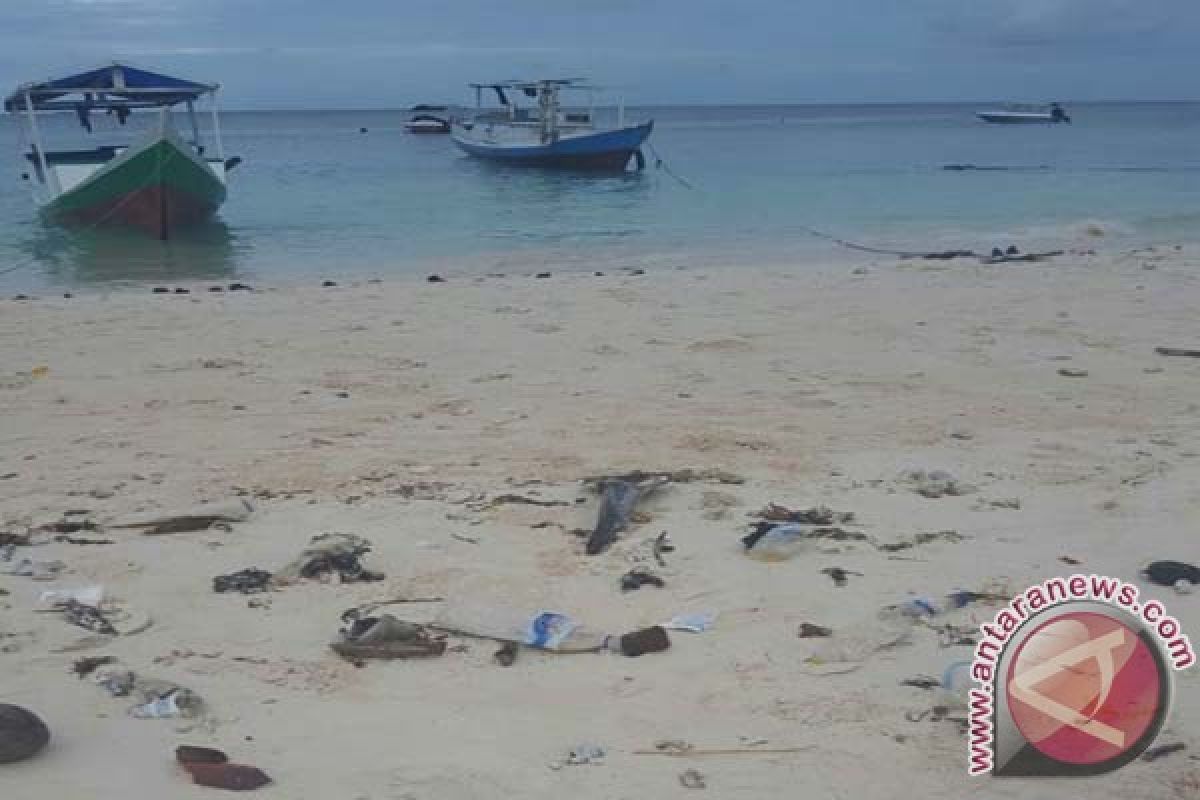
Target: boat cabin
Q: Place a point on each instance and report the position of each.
(545, 109)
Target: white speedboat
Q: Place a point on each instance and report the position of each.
(1052, 114)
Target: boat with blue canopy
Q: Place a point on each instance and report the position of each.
(159, 182)
(546, 133)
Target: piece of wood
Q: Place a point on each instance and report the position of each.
(1177, 351)
(737, 751)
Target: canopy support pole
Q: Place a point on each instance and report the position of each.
(216, 120)
(191, 109)
(37, 139)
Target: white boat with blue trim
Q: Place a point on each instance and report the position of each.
(547, 134)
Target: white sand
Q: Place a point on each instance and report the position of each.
(818, 385)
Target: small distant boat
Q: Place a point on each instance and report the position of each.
(1052, 114)
(427, 123)
(157, 183)
(547, 134)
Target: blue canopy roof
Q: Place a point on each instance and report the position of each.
(114, 85)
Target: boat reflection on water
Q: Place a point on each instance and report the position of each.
(208, 251)
(560, 219)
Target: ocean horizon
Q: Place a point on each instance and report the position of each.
(315, 197)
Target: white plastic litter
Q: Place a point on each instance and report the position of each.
(956, 685)
(698, 622)
(782, 543)
(88, 595)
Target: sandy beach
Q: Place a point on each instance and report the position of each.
(399, 410)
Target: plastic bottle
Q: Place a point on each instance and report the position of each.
(780, 543)
(956, 685)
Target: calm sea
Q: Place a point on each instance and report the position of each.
(317, 198)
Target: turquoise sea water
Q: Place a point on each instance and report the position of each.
(317, 198)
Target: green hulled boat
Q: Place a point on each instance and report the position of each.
(158, 183)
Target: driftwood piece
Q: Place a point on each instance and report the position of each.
(1005, 259)
(686, 475)
(197, 518)
(516, 499)
(1177, 351)
(733, 751)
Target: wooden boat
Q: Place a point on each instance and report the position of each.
(157, 183)
(1052, 114)
(547, 135)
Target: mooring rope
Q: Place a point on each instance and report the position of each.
(661, 163)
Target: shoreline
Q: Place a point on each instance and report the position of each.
(386, 409)
(519, 264)
(149, 263)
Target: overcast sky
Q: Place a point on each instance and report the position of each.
(389, 53)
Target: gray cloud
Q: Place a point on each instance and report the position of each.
(359, 53)
(1050, 23)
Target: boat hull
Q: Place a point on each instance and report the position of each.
(1001, 118)
(158, 186)
(604, 151)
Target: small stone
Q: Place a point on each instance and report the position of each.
(328, 284)
(1184, 586)
(1068, 372)
(542, 275)
(22, 734)
(101, 494)
(692, 779)
(435, 279)
(861, 271)
(160, 290)
(810, 631)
